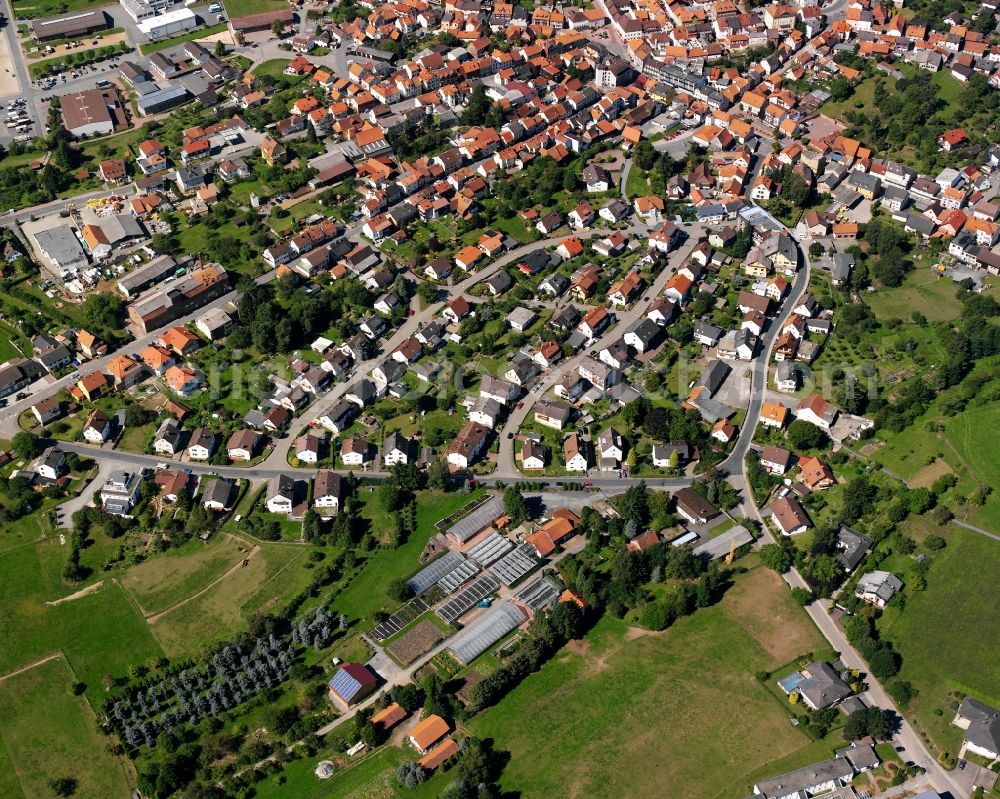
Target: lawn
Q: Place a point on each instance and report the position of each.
(241, 8)
(949, 634)
(921, 292)
(25, 530)
(100, 633)
(35, 9)
(217, 614)
(637, 184)
(623, 695)
(198, 33)
(162, 582)
(366, 593)
(949, 90)
(48, 732)
(118, 145)
(271, 68)
(369, 777)
(10, 343)
(864, 93)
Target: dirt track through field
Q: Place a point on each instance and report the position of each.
(90, 589)
(30, 666)
(239, 565)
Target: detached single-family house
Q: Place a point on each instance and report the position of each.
(789, 516)
(328, 491)
(982, 728)
(821, 686)
(97, 428)
(280, 494)
(354, 451)
(201, 445)
(694, 507)
(776, 460)
(168, 437)
(878, 587)
(575, 454)
(121, 492)
(397, 449)
(243, 445)
(218, 494)
(816, 410)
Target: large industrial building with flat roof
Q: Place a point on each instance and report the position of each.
(171, 23)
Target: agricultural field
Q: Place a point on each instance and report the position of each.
(921, 292)
(947, 634)
(39, 715)
(215, 612)
(667, 692)
(168, 579)
(98, 629)
(415, 642)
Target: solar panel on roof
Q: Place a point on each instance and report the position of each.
(344, 685)
(429, 575)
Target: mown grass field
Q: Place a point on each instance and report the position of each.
(47, 732)
(624, 696)
(100, 633)
(241, 8)
(964, 445)
(949, 634)
(198, 33)
(272, 67)
(34, 9)
(371, 777)
(934, 297)
(215, 611)
(162, 582)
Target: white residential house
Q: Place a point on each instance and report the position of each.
(354, 451)
(575, 454)
(281, 494)
(610, 449)
(327, 492)
(397, 449)
(201, 445)
(97, 429)
(878, 587)
(486, 411)
(532, 456)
